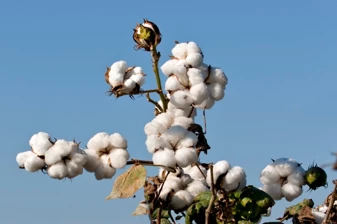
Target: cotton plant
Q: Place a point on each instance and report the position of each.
(202, 192)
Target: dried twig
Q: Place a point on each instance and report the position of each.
(331, 203)
(197, 164)
(149, 163)
(204, 114)
(153, 102)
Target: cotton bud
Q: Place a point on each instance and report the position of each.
(315, 177)
(40, 143)
(146, 35)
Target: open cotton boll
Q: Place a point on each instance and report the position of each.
(118, 141)
(34, 163)
(219, 168)
(139, 79)
(286, 168)
(186, 156)
(116, 78)
(234, 180)
(185, 122)
(22, 157)
(173, 184)
(181, 99)
(59, 150)
(181, 200)
(194, 59)
(164, 119)
(118, 158)
(195, 76)
(180, 71)
(174, 134)
(274, 190)
(133, 71)
(217, 76)
(57, 170)
(154, 128)
(129, 86)
(73, 169)
(104, 170)
(206, 104)
(40, 143)
(119, 66)
(168, 67)
(172, 84)
(319, 216)
(155, 142)
(192, 47)
(290, 191)
(196, 187)
(199, 93)
(269, 175)
(195, 173)
(189, 140)
(164, 157)
(216, 90)
(180, 51)
(92, 160)
(297, 177)
(100, 141)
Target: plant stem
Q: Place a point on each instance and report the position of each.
(153, 102)
(155, 59)
(331, 203)
(159, 216)
(211, 202)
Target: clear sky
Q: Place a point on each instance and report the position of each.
(279, 56)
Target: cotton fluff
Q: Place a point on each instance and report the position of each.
(195, 173)
(181, 99)
(319, 216)
(285, 168)
(219, 168)
(269, 175)
(40, 143)
(186, 156)
(104, 170)
(274, 190)
(181, 200)
(164, 157)
(234, 180)
(155, 142)
(118, 158)
(34, 163)
(291, 191)
(189, 52)
(196, 187)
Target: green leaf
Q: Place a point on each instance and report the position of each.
(164, 213)
(164, 221)
(128, 183)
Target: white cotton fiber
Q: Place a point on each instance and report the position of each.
(181, 200)
(192, 47)
(274, 190)
(174, 134)
(139, 79)
(40, 143)
(186, 156)
(92, 160)
(155, 142)
(189, 140)
(168, 67)
(234, 180)
(216, 91)
(290, 191)
(297, 177)
(116, 78)
(99, 141)
(104, 170)
(118, 141)
(219, 168)
(195, 76)
(196, 187)
(194, 60)
(206, 104)
(285, 168)
(181, 99)
(185, 122)
(119, 66)
(57, 170)
(180, 51)
(164, 119)
(172, 84)
(269, 175)
(34, 163)
(195, 173)
(199, 93)
(154, 128)
(217, 76)
(73, 169)
(22, 157)
(180, 71)
(164, 157)
(118, 158)
(59, 150)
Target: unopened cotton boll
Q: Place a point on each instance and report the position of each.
(196, 187)
(219, 168)
(269, 175)
(59, 150)
(104, 170)
(22, 157)
(180, 51)
(154, 128)
(164, 157)
(194, 60)
(118, 158)
(174, 134)
(164, 119)
(181, 99)
(168, 67)
(290, 191)
(285, 168)
(180, 71)
(199, 93)
(99, 142)
(57, 170)
(40, 143)
(172, 84)
(92, 160)
(234, 180)
(216, 91)
(195, 76)
(217, 76)
(186, 156)
(189, 140)
(155, 142)
(119, 66)
(181, 200)
(34, 163)
(185, 122)
(297, 177)
(118, 141)
(274, 190)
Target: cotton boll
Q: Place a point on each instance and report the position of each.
(180, 51)
(196, 187)
(297, 177)
(116, 78)
(154, 128)
(40, 143)
(195, 76)
(174, 134)
(57, 170)
(139, 79)
(164, 119)
(269, 175)
(219, 168)
(186, 156)
(172, 84)
(119, 66)
(118, 141)
(129, 86)
(290, 191)
(319, 216)
(173, 184)
(22, 157)
(286, 168)
(100, 141)
(217, 76)
(274, 190)
(181, 99)
(164, 157)
(168, 67)
(185, 122)
(199, 93)
(118, 158)
(92, 160)
(195, 173)
(216, 91)
(73, 169)
(104, 170)
(189, 140)
(34, 163)
(59, 150)
(180, 71)
(154, 143)
(234, 180)
(181, 200)
(206, 104)
(194, 59)
(192, 47)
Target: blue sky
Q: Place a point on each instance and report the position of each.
(279, 56)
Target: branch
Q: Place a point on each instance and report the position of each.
(139, 92)
(331, 203)
(155, 59)
(153, 102)
(149, 163)
(197, 164)
(211, 202)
